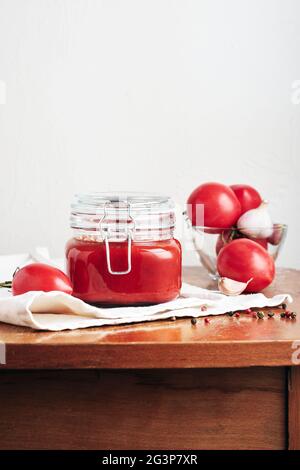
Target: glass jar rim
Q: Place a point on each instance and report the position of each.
(138, 210)
(138, 201)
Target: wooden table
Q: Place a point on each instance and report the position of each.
(230, 384)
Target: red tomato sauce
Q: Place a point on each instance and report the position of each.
(155, 274)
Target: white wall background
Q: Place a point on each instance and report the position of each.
(154, 95)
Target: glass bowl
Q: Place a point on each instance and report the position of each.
(208, 241)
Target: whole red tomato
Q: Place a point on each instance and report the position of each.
(244, 259)
(40, 277)
(248, 197)
(221, 207)
(227, 236)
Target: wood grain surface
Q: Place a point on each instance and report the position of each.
(294, 408)
(224, 342)
(161, 409)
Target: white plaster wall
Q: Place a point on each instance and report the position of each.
(145, 95)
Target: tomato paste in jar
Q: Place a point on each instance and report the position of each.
(123, 251)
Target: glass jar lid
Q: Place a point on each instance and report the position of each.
(146, 216)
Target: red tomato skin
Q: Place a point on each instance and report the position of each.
(261, 241)
(221, 207)
(243, 259)
(248, 197)
(40, 277)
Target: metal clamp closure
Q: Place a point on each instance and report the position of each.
(128, 233)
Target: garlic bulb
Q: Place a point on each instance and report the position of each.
(230, 287)
(257, 222)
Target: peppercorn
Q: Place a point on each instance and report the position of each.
(230, 314)
(260, 315)
(293, 315)
(271, 314)
(194, 321)
(284, 306)
(249, 310)
(207, 320)
(283, 315)
(237, 315)
(203, 308)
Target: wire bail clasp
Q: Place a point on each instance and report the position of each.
(128, 232)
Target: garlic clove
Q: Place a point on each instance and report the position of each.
(256, 223)
(230, 287)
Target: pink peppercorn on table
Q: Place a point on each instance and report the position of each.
(230, 383)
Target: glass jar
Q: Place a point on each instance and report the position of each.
(123, 251)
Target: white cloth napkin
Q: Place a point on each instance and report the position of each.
(56, 311)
